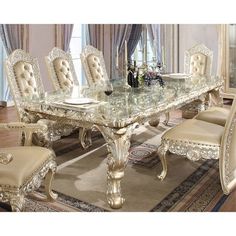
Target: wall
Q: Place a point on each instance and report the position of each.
(190, 35)
(41, 42)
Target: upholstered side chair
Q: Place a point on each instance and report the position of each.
(197, 139)
(62, 74)
(94, 67)
(22, 169)
(198, 62)
(61, 70)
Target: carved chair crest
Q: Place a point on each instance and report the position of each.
(94, 66)
(61, 69)
(23, 76)
(198, 60)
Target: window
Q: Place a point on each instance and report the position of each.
(76, 45)
(144, 51)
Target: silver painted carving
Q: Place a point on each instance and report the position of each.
(116, 117)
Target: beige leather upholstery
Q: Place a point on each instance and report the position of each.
(196, 131)
(214, 115)
(95, 68)
(26, 161)
(63, 72)
(25, 79)
(198, 64)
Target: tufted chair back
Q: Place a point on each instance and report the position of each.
(198, 61)
(94, 66)
(23, 76)
(61, 70)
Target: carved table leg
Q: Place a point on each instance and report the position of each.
(215, 98)
(166, 121)
(162, 150)
(154, 121)
(85, 137)
(118, 143)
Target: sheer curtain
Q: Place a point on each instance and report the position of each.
(14, 36)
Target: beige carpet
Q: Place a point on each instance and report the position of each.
(83, 176)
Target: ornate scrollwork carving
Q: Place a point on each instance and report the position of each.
(118, 143)
(193, 151)
(5, 158)
(15, 196)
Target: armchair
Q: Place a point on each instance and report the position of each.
(62, 73)
(197, 139)
(22, 169)
(24, 80)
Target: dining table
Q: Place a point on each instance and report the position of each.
(118, 114)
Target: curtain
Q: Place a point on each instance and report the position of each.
(154, 31)
(169, 40)
(95, 36)
(63, 36)
(223, 59)
(120, 33)
(14, 36)
(135, 35)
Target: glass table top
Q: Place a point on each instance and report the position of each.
(124, 106)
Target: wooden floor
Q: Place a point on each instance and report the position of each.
(12, 138)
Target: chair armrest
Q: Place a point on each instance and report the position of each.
(27, 129)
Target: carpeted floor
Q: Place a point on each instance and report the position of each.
(81, 178)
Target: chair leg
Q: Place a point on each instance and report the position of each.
(85, 137)
(162, 150)
(51, 196)
(166, 121)
(17, 202)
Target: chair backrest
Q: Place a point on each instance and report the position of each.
(94, 66)
(23, 76)
(61, 69)
(198, 61)
(227, 163)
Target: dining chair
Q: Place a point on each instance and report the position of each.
(63, 76)
(95, 69)
(61, 70)
(22, 169)
(197, 139)
(198, 64)
(22, 72)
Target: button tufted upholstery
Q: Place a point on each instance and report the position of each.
(95, 68)
(63, 72)
(198, 64)
(25, 78)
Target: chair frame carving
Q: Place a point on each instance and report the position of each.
(17, 56)
(85, 53)
(15, 195)
(84, 134)
(199, 48)
(54, 54)
(197, 151)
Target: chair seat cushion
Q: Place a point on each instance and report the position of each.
(26, 161)
(196, 131)
(215, 115)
